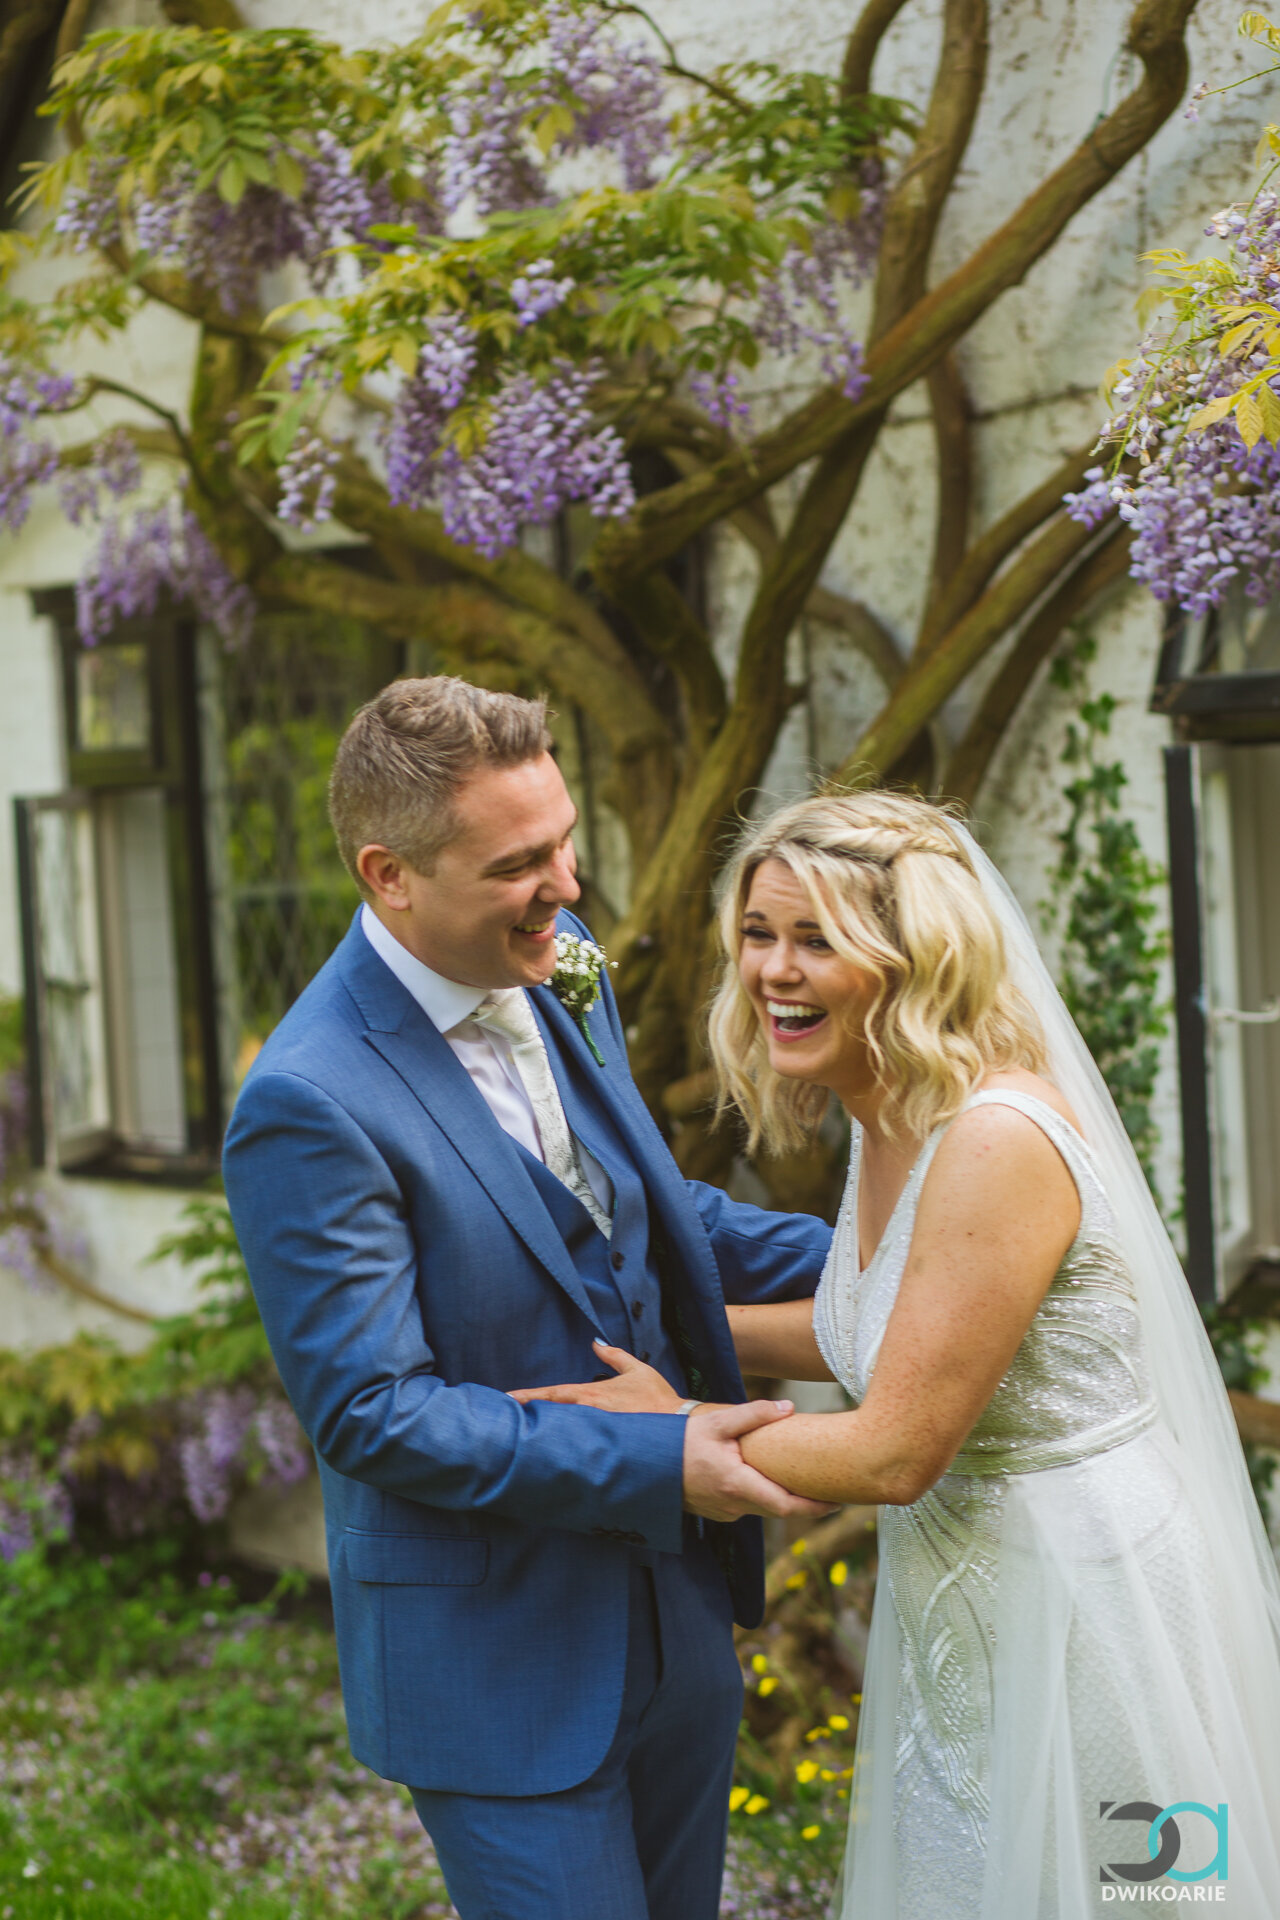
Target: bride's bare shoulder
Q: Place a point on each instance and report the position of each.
(1021, 1080)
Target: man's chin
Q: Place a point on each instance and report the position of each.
(533, 957)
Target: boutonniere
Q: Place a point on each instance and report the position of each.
(576, 981)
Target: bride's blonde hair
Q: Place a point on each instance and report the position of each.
(894, 890)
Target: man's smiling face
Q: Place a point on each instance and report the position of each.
(486, 916)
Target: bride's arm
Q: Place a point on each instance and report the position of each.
(777, 1341)
(997, 1213)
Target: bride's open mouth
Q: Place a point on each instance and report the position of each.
(792, 1019)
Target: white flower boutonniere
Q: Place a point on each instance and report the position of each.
(576, 981)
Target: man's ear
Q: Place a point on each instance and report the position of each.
(383, 873)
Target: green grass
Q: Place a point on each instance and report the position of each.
(172, 1747)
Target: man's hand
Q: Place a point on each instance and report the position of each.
(718, 1483)
(635, 1388)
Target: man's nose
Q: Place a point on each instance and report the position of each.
(559, 878)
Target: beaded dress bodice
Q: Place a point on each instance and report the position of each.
(1077, 1384)
(1076, 1391)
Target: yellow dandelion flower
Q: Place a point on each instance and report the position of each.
(759, 1664)
(817, 1733)
(797, 1579)
(766, 1687)
(846, 1773)
(842, 1793)
(810, 1833)
(806, 1771)
(756, 1804)
(827, 1774)
(798, 1547)
(840, 1722)
(738, 1798)
(838, 1574)
(856, 1699)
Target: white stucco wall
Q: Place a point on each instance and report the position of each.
(1032, 366)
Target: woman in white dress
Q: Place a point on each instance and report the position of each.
(1077, 1626)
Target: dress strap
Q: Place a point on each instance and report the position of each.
(1079, 1161)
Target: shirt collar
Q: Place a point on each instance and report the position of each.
(445, 1002)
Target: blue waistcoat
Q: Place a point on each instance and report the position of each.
(621, 1275)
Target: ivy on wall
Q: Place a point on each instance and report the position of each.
(1105, 896)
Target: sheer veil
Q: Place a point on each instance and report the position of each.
(1134, 1654)
(1187, 1381)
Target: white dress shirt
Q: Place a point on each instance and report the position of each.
(486, 1056)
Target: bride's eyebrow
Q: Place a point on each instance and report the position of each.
(806, 926)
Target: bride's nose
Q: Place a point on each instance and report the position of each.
(781, 966)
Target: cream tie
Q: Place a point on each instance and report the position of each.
(507, 1011)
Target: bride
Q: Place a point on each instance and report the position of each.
(1072, 1692)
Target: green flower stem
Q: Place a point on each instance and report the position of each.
(589, 1037)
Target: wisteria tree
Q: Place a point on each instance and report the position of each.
(1191, 455)
(525, 272)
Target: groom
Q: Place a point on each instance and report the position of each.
(442, 1195)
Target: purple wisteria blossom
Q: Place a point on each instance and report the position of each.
(231, 1430)
(484, 155)
(308, 481)
(542, 451)
(721, 398)
(446, 363)
(1204, 507)
(616, 88)
(162, 550)
(537, 292)
(34, 1504)
(221, 1421)
(613, 89)
(28, 459)
(90, 213)
(801, 306)
(227, 248)
(113, 468)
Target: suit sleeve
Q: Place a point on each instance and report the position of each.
(335, 1270)
(763, 1257)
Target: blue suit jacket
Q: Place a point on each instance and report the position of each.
(408, 1275)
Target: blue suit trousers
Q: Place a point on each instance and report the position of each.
(643, 1837)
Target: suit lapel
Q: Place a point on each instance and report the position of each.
(401, 1033)
(578, 1075)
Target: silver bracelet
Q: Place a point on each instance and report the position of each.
(688, 1406)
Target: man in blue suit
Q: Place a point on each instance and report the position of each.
(443, 1195)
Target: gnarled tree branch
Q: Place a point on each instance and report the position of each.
(953, 450)
(863, 44)
(1094, 574)
(932, 680)
(666, 521)
(993, 547)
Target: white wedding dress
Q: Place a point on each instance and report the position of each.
(1082, 1611)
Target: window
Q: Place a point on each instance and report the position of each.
(1219, 680)
(179, 895)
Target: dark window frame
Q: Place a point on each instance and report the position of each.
(172, 762)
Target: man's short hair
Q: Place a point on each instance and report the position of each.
(405, 755)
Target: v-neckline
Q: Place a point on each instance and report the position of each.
(861, 1267)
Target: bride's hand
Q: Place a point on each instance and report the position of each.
(635, 1388)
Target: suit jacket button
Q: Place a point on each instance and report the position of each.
(617, 1261)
